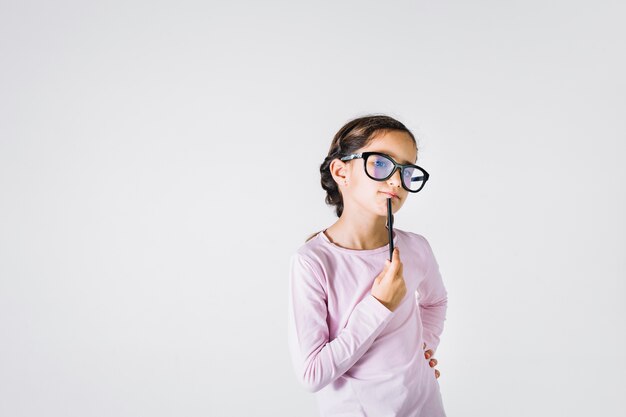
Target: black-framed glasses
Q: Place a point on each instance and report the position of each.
(380, 167)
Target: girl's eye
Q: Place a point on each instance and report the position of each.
(408, 173)
(380, 163)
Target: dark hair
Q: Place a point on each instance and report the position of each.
(354, 135)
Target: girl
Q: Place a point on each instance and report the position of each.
(357, 321)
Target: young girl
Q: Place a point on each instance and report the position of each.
(363, 330)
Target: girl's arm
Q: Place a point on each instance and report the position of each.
(316, 360)
(432, 300)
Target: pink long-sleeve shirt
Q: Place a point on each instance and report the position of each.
(357, 356)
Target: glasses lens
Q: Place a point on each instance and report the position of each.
(378, 166)
(413, 178)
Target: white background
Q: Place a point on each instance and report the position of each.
(159, 163)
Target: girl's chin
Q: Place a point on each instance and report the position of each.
(382, 208)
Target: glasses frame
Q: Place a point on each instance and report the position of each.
(402, 167)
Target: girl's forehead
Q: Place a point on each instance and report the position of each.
(396, 144)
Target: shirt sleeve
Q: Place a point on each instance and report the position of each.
(432, 300)
(317, 360)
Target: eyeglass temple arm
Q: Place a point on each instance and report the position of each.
(353, 156)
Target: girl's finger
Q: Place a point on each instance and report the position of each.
(437, 373)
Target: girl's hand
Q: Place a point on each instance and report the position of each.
(389, 287)
(427, 354)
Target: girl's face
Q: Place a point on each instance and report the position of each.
(370, 195)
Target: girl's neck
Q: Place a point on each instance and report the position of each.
(361, 235)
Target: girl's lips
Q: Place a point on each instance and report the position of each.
(391, 195)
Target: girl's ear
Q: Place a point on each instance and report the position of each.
(340, 171)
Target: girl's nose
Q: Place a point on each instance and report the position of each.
(395, 179)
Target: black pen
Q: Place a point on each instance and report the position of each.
(390, 228)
